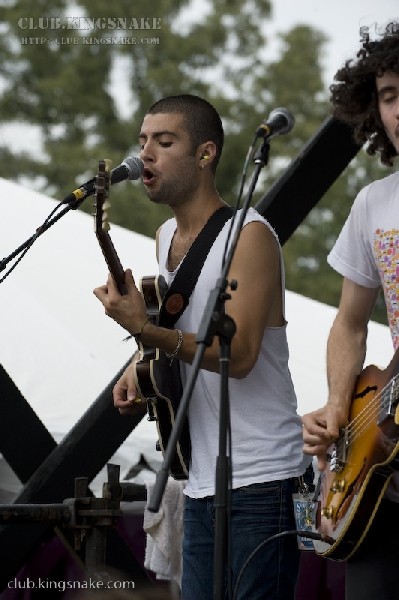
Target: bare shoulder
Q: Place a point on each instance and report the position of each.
(257, 252)
(256, 236)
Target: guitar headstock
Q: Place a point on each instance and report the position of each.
(102, 204)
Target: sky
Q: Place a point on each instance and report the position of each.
(339, 20)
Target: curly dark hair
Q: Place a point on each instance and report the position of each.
(354, 97)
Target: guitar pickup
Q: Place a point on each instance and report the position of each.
(393, 398)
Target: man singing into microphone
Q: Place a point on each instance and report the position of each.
(181, 143)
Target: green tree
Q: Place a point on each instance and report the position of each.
(87, 91)
(63, 86)
(305, 253)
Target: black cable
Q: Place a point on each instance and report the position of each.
(309, 534)
(31, 241)
(248, 159)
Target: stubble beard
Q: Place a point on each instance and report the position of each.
(174, 193)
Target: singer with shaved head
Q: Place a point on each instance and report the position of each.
(181, 140)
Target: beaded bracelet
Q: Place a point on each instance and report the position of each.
(173, 354)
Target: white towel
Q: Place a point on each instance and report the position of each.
(163, 553)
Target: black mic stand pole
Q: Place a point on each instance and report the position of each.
(71, 205)
(214, 322)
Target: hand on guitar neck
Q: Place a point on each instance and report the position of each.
(131, 312)
(128, 310)
(147, 385)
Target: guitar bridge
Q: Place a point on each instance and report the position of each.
(339, 453)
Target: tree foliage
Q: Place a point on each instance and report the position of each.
(87, 96)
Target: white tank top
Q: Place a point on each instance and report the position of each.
(266, 429)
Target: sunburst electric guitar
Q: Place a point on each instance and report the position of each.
(361, 464)
(157, 380)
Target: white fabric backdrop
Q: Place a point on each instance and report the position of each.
(60, 349)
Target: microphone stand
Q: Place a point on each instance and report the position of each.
(47, 224)
(214, 322)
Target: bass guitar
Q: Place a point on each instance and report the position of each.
(157, 379)
(361, 463)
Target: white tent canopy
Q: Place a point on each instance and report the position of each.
(62, 351)
(58, 346)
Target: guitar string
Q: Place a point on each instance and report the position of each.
(366, 416)
(375, 406)
(360, 423)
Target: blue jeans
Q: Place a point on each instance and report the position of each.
(257, 512)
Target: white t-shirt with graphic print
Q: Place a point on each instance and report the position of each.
(367, 251)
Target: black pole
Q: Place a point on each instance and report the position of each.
(39, 231)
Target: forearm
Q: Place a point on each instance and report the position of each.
(167, 340)
(345, 356)
(346, 350)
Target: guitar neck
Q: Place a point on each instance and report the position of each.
(112, 260)
(102, 226)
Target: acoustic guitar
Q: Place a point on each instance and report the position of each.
(361, 464)
(157, 379)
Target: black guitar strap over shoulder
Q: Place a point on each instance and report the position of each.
(177, 297)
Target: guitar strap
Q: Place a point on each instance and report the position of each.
(165, 375)
(177, 297)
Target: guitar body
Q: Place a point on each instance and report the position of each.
(363, 460)
(157, 381)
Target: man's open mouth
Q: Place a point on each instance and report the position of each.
(148, 177)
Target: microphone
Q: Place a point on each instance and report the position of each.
(130, 168)
(279, 122)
